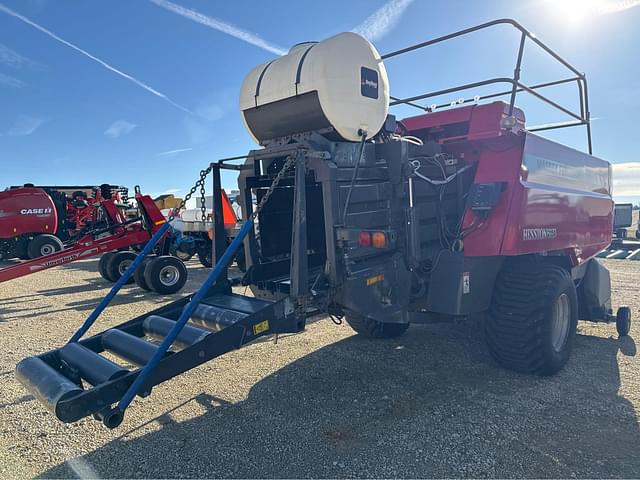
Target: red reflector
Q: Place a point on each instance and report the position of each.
(364, 239)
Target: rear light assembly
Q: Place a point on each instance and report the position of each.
(372, 239)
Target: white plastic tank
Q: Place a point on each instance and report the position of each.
(340, 82)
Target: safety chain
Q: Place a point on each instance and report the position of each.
(287, 165)
(200, 185)
(203, 200)
(187, 197)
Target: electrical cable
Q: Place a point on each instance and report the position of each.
(354, 176)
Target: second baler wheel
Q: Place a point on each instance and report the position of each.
(531, 324)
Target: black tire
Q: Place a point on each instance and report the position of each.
(166, 274)
(118, 264)
(102, 266)
(44, 244)
(623, 321)
(621, 233)
(205, 255)
(371, 328)
(524, 329)
(138, 275)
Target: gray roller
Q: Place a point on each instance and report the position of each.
(131, 348)
(45, 383)
(158, 327)
(91, 366)
(215, 318)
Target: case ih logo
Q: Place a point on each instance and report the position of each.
(35, 211)
(539, 233)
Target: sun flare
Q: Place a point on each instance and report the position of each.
(577, 11)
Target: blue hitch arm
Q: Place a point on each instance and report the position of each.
(138, 383)
(120, 283)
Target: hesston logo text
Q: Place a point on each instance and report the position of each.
(539, 233)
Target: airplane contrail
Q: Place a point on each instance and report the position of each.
(143, 85)
(221, 26)
(376, 25)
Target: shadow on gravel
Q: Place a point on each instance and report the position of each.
(429, 404)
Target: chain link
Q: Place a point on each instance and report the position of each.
(200, 185)
(203, 200)
(187, 197)
(287, 165)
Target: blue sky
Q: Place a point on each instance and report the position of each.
(146, 92)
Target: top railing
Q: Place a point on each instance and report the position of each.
(579, 119)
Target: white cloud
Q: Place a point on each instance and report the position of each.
(169, 153)
(139, 83)
(119, 128)
(25, 125)
(12, 58)
(221, 26)
(11, 81)
(380, 22)
(626, 179)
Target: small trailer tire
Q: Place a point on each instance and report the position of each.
(623, 321)
(532, 320)
(372, 328)
(43, 245)
(138, 275)
(165, 274)
(118, 264)
(102, 266)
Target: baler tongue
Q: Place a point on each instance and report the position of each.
(76, 380)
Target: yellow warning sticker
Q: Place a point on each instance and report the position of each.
(261, 327)
(374, 280)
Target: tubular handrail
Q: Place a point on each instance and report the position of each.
(517, 86)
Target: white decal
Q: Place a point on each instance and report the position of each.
(466, 284)
(35, 211)
(539, 233)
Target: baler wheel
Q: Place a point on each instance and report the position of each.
(44, 244)
(118, 264)
(532, 319)
(102, 266)
(371, 328)
(623, 321)
(138, 275)
(165, 274)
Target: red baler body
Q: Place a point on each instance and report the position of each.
(26, 211)
(556, 199)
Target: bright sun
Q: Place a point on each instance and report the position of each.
(577, 11)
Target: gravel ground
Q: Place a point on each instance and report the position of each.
(327, 403)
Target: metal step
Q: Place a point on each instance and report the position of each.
(76, 381)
